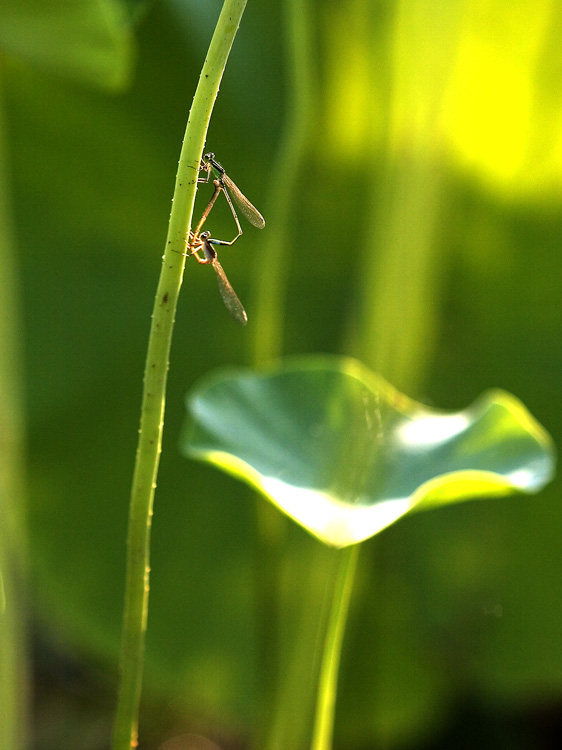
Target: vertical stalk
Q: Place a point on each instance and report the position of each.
(329, 669)
(155, 377)
(13, 667)
(270, 282)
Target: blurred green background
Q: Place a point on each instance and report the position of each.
(407, 156)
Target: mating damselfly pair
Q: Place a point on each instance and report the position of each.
(203, 242)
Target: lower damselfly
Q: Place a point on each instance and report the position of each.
(204, 243)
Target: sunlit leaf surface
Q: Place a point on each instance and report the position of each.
(343, 453)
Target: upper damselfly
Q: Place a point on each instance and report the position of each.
(231, 192)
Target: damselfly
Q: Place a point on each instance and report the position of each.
(231, 192)
(203, 242)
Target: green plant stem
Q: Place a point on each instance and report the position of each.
(13, 666)
(327, 683)
(155, 376)
(272, 272)
(270, 283)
